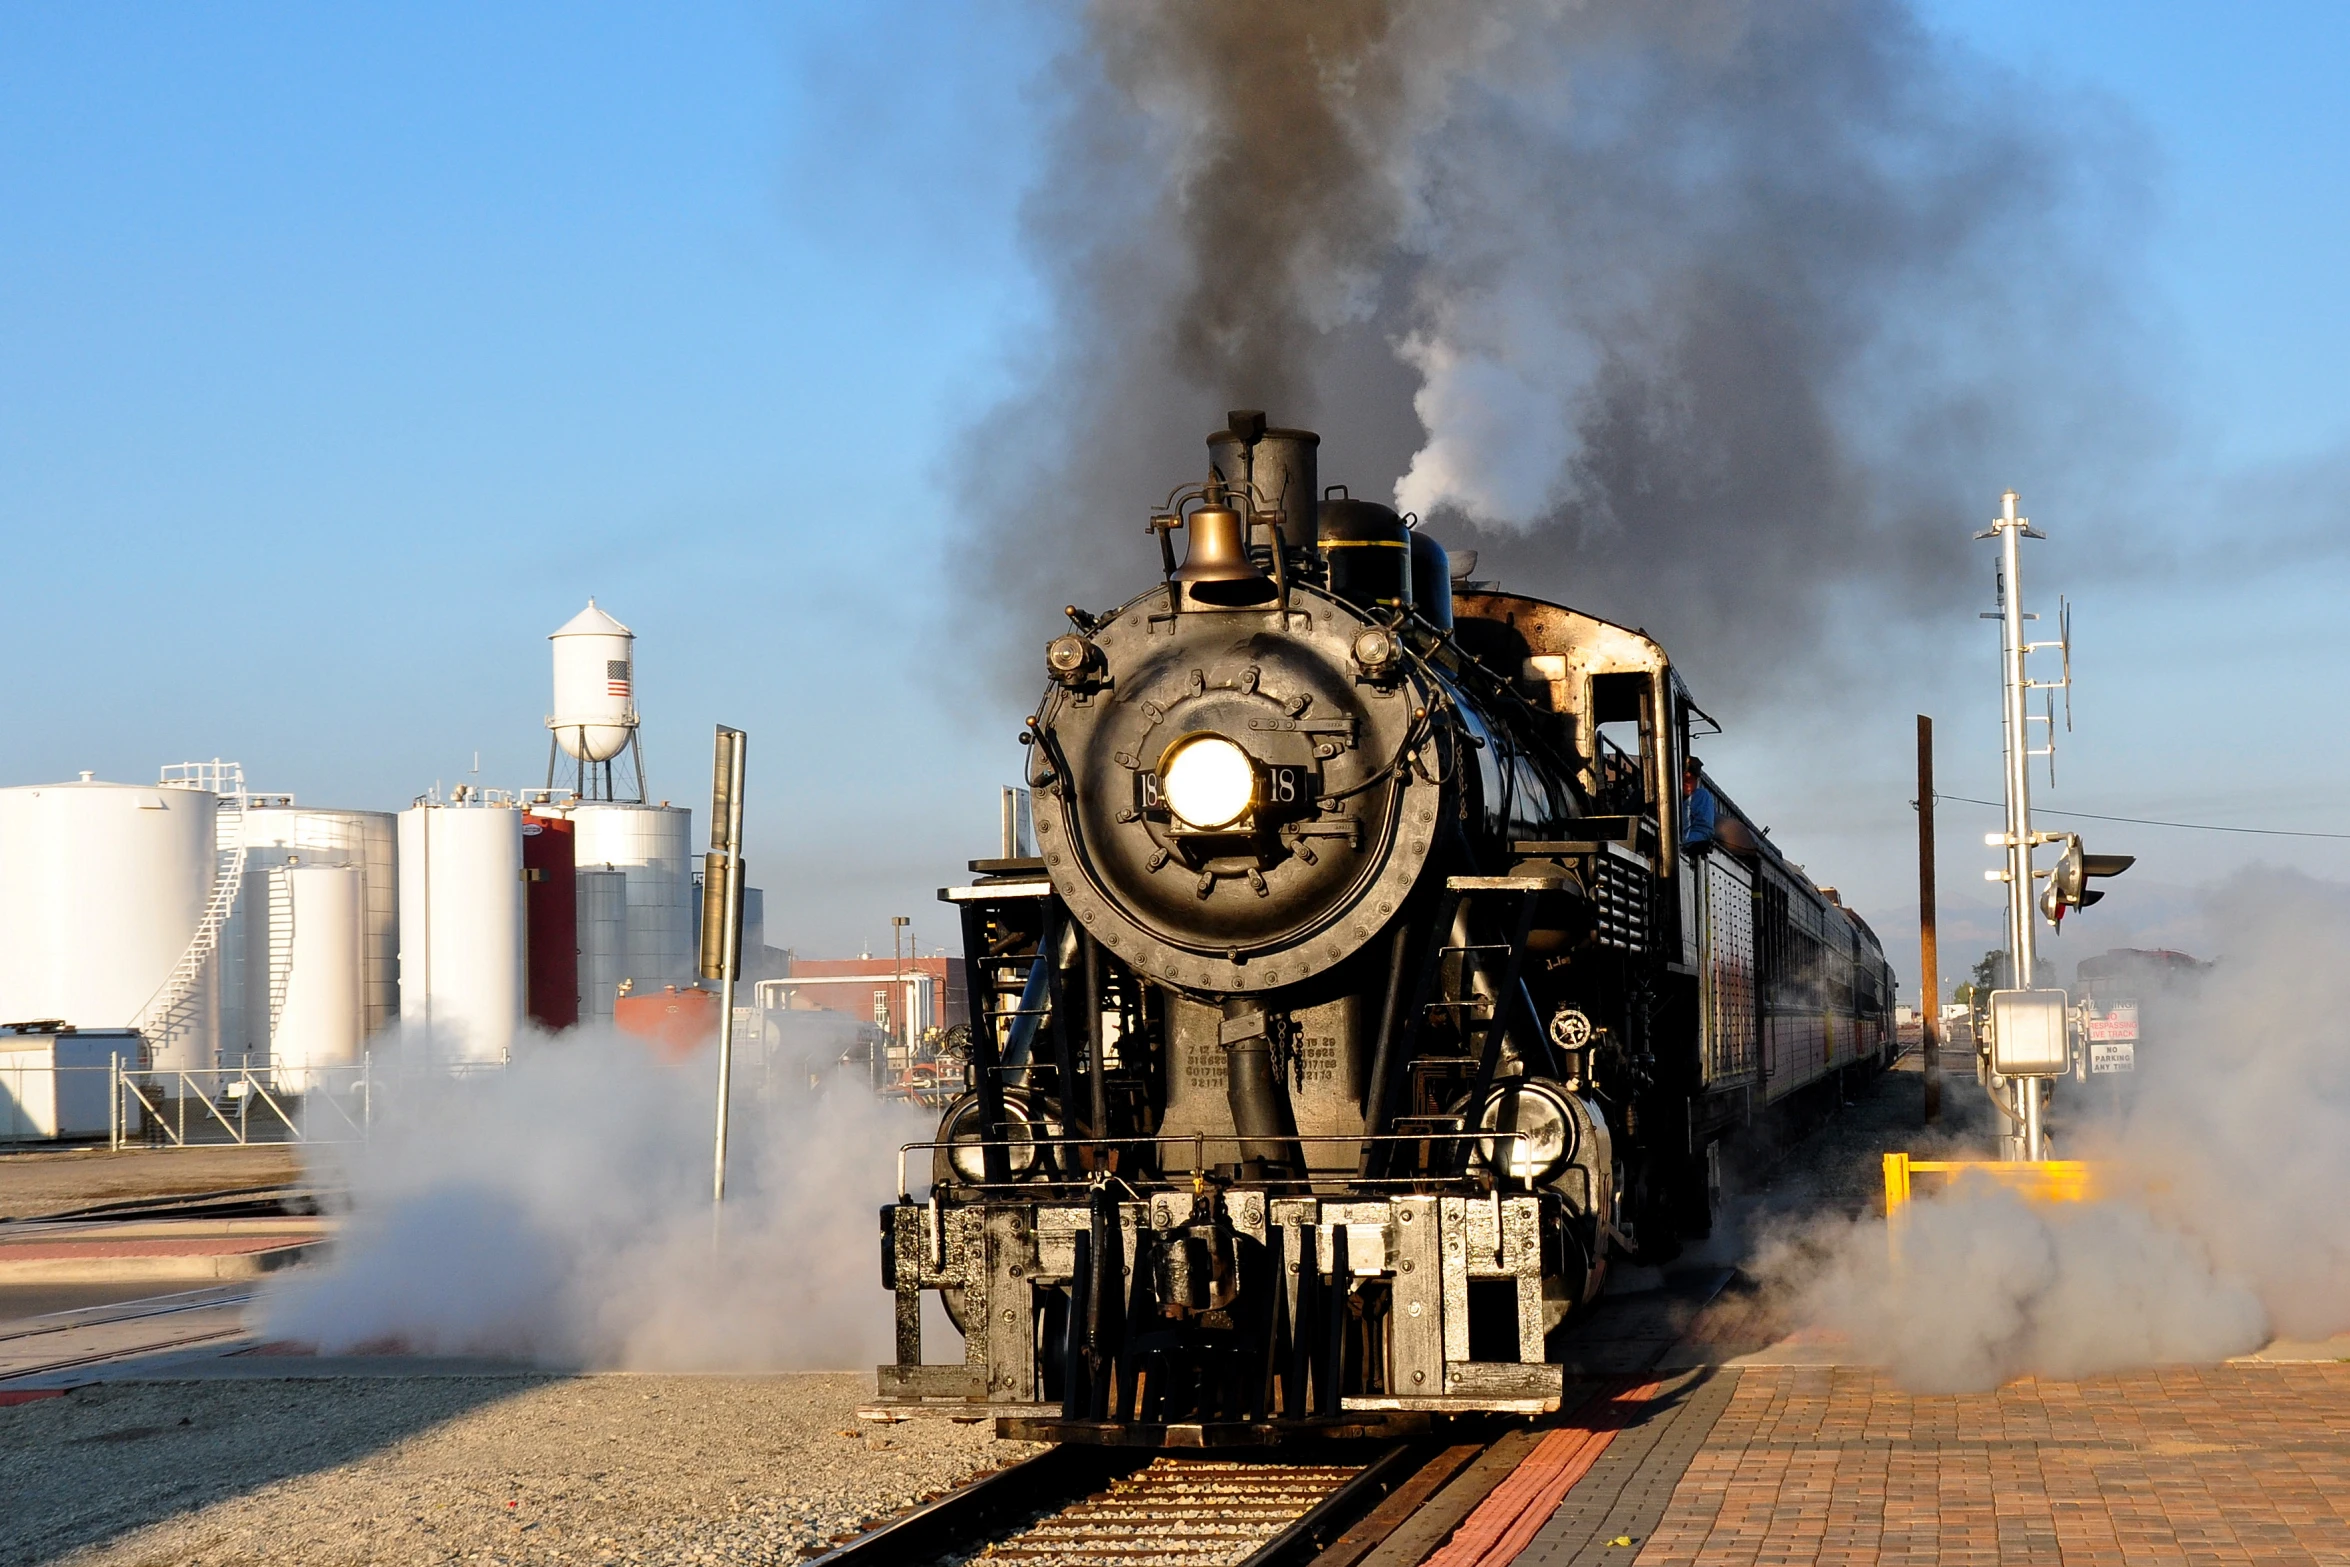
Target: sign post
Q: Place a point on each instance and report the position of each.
(722, 913)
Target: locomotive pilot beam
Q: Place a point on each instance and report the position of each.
(1387, 968)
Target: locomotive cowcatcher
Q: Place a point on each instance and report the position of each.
(1386, 968)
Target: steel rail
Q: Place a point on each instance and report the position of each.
(226, 1202)
(14, 1379)
(22, 1335)
(118, 1311)
(962, 1519)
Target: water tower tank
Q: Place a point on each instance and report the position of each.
(461, 927)
(595, 686)
(102, 889)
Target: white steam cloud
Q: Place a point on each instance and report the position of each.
(559, 1211)
(2227, 1224)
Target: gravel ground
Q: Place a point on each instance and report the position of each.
(607, 1469)
(54, 1180)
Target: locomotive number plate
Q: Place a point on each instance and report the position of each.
(1284, 789)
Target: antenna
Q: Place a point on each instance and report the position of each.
(2068, 713)
(2064, 620)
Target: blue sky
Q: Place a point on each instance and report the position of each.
(345, 351)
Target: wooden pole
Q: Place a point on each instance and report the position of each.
(1929, 967)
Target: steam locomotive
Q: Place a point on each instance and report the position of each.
(1377, 980)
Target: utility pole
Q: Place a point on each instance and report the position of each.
(1929, 958)
(897, 988)
(722, 913)
(2011, 530)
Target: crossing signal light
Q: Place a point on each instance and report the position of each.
(2068, 883)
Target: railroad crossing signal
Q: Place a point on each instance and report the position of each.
(2068, 881)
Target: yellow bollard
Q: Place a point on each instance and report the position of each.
(2044, 1180)
(2036, 1181)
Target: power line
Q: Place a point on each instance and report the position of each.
(2147, 821)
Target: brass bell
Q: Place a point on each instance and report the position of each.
(1216, 569)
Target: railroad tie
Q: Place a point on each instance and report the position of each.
(1506, 1522)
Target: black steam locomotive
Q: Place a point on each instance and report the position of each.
(1380, 975)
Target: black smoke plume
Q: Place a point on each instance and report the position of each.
(1713, 316)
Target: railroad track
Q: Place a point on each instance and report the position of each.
(1082, 1506)
(1364, 1505)
(37, 1346)
(231, 1202)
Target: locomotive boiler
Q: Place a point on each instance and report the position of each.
(1386, 967)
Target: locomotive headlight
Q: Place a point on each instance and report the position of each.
(961, 1133)
(1529, 1131)
(1208, 781)
(1378, 651)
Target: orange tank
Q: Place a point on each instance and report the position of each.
(676, 1021)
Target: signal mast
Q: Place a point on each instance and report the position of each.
(2031, 1032)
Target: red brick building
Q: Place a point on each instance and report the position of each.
(931, 988)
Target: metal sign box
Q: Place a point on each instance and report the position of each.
(2030, 1033)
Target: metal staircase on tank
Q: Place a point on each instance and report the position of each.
(173, 1010)
(280, 895)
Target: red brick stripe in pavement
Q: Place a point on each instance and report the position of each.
(2229, 1464)
(1507, 1521)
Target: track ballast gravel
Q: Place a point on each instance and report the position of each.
(605, 1469)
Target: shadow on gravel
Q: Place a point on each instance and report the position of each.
(109, 1458)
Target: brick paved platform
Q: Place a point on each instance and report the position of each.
(2231, 1464)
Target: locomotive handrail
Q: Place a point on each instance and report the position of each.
(1199, 1140)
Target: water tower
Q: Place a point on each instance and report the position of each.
(634, 858)
(595, 708)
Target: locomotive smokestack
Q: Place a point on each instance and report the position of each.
(1271, 470)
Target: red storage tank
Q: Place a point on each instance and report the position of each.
(675, 1020)
(551, 923)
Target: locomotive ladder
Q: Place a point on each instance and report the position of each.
(1035, 979)
(174, 1010)
(1463, 901)
(988, 977)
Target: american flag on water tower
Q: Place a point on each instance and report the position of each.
(616, 677)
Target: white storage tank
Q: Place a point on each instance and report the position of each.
(322, 1020)
(462, 952)
(654, 845)
(603, 940)
(102, 889)
(280, 835)
(595, 685)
